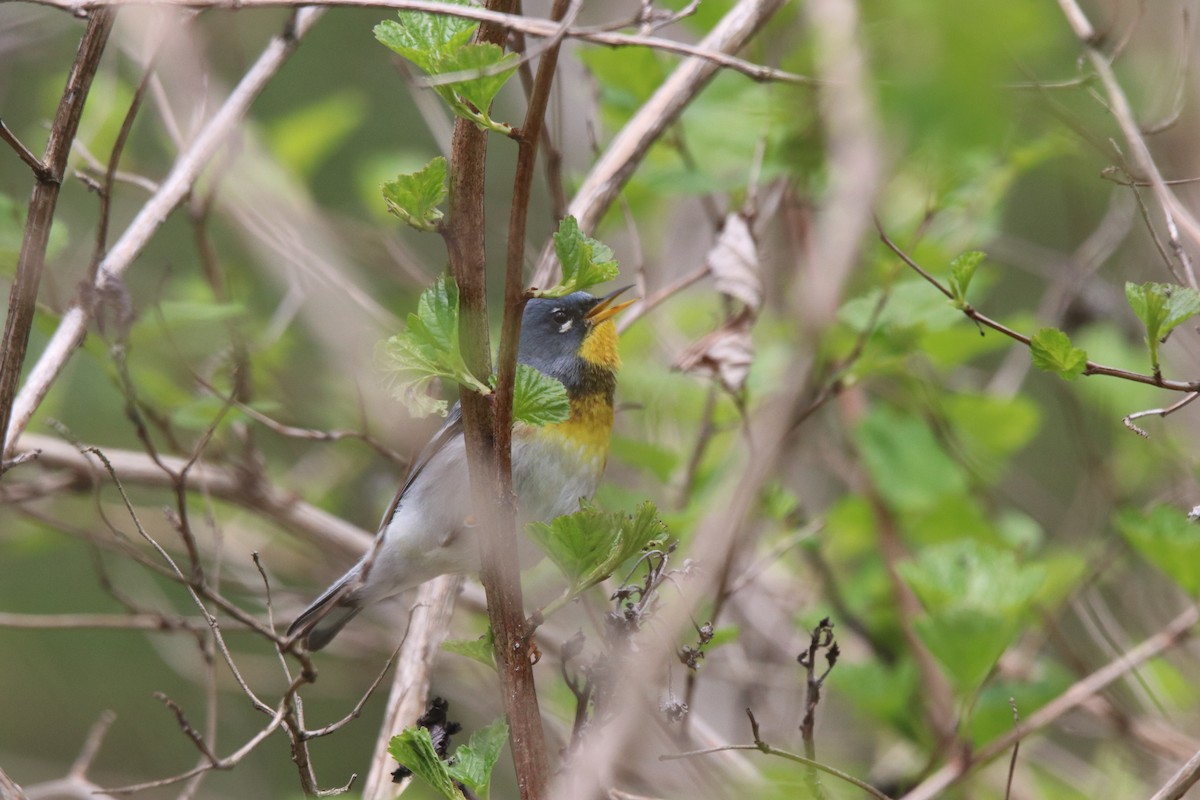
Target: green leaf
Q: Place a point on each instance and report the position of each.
(1052, 351)
(965, 574)
(539, 399)
(962, 270)
(441, 45)
(1161, 307)
(424, 39)
(413, 748)
(493, 68)
(473, 762)
(482, 649)
(967, 642)
(906, 462)
(1168, 540)
(590, 544)
(429, 349)
(976, 598)
(585, 261)
(415, 196)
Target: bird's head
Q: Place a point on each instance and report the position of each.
(573, 339)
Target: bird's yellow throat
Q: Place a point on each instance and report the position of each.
(590, 424)
(600, 346)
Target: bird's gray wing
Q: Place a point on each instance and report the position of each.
(452, 427)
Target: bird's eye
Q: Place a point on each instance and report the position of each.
(559, 316)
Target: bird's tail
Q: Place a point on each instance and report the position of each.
(327, 615)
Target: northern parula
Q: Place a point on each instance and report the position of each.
(426, 531)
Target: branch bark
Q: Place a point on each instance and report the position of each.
(491, 486)
(23, 296)
(410, 685)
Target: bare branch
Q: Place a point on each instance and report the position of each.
(23, 294)
(240, 485)
(171, 191)
(1174, 213)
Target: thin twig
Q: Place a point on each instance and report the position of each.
(40, 170)
(1090, 368)
(1174, 213)
(763, 747)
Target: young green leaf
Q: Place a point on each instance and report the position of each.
(473, 762)
(414, 197)
(428, 349)
(424, 39)
(491, 68)
(539, 399)
(413, 748)
(962, 270)
(585, 261)
(590, 544)
(1052, 351)
(1161, 307)
(481, 649)
(440, 44)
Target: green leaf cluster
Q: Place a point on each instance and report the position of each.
(415, 196)
(1161, 307)
(585, 261)
(429, 349)
(471, 764)
(591, 544)
(440, 45)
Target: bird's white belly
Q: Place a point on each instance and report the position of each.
(432, 531)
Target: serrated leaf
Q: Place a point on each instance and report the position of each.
(424, 38)
(481, 649)
(585, 261)
(428, 349)
(413, 748)
(590, 544)
(1161, 307)
(1052, 351)
(493, 68)
(962, 270)
(473, 762)
(539, 399)
(415, 196)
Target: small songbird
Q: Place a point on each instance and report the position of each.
(426, 531)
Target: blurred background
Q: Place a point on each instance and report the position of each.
(976, 529)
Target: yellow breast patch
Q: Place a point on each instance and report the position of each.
(588, 428)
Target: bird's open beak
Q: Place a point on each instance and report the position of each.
(604, 308)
